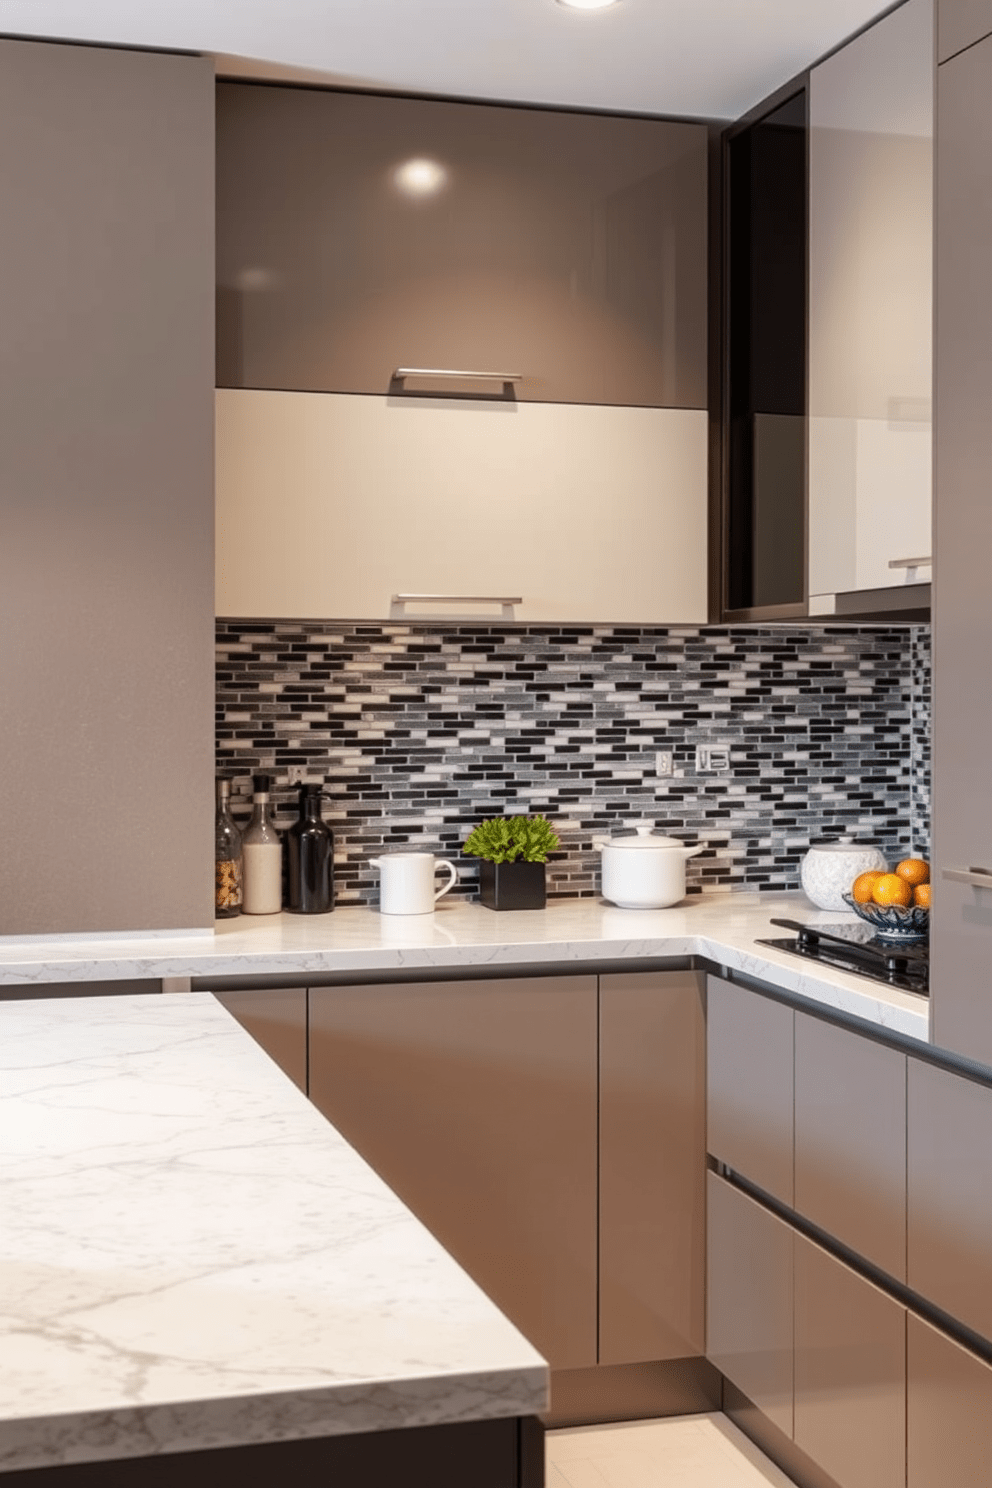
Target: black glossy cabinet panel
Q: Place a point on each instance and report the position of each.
(361, 233)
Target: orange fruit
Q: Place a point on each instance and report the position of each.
(921, 895)
(914, 871)
(891, 888)
(863, 885)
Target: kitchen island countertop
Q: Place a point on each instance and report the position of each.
(722, 927)
(192, 1257)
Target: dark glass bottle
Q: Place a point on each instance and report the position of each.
(310, 858)
(228, 857)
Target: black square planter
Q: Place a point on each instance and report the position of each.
(512, 885)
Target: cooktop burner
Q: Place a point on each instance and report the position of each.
(855, 948)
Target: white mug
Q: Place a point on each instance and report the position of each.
(406, 882)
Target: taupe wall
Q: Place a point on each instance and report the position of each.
(106, 505)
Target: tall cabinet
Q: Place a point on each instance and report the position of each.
(961, 931)
(106, 489)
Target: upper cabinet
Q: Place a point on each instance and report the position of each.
(870, 317)
(359, 235)
(370, 250)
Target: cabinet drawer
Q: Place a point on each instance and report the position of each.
(749, 1299)
(949, 1405)
(950, 1194)
(652, 1167)
(851, 1141)
(749, 1091)
(850, 1373)
(276, 1019)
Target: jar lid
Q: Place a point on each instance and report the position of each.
(646, 837)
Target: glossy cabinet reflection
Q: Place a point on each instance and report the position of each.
(870, 309)
(359, 233)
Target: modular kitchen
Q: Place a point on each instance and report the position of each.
(385, 457)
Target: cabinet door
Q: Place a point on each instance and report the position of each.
(652, 1167)
(476, 1102)
(374, 482)
(870, 307)
(850, 1342)
(359, 233)
(749, 1086)
(749, 1299)
(276, 1019)
(950, 1194)
(960, 23)
(948, 1408)
(961, 929)
(851, 1140)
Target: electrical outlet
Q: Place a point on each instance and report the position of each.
(295, 774)
(664, 762)
(712, 759)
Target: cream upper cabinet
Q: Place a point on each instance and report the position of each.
(870, 310)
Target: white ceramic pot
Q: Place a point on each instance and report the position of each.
(829, 869)
(646, 871)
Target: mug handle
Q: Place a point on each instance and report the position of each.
(443, 863)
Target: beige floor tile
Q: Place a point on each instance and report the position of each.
(704, 1451)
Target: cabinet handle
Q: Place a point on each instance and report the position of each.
(402, 372)
(911, 562)
(980, 878)
(399, 602)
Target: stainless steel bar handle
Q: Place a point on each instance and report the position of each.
(911, 562)
(402, 372)
(980, 878)
(399, 602)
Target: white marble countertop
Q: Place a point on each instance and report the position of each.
(191, 1256)
(723, 927)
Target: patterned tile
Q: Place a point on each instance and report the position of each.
(419, 731)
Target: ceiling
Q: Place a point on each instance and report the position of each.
(701, 58)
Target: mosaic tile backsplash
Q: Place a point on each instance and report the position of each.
(417, 732)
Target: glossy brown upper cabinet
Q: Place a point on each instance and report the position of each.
(361, 234)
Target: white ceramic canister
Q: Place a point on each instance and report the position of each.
(646, 871)
(829, 869)
(406, 882)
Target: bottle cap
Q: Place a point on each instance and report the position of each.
(262, 784)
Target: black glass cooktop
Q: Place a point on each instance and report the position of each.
(857, 949)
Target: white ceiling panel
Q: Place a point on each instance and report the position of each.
(701, 58)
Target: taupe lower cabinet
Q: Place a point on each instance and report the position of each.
(850, 1372)
(749, 1087)
(484, 1105)
(750, 1299)
(950, 1194)
(949, 1407)
(276, 1019)
(851, 1141)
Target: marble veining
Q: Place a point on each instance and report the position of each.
(191, 1256)
(723, 927)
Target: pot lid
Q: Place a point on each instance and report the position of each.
(646, 837)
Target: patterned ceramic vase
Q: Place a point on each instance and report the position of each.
(830, 868)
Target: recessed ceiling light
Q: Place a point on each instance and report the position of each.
(587, 4)
(420, 177)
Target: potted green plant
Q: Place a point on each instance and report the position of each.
(513, 852)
